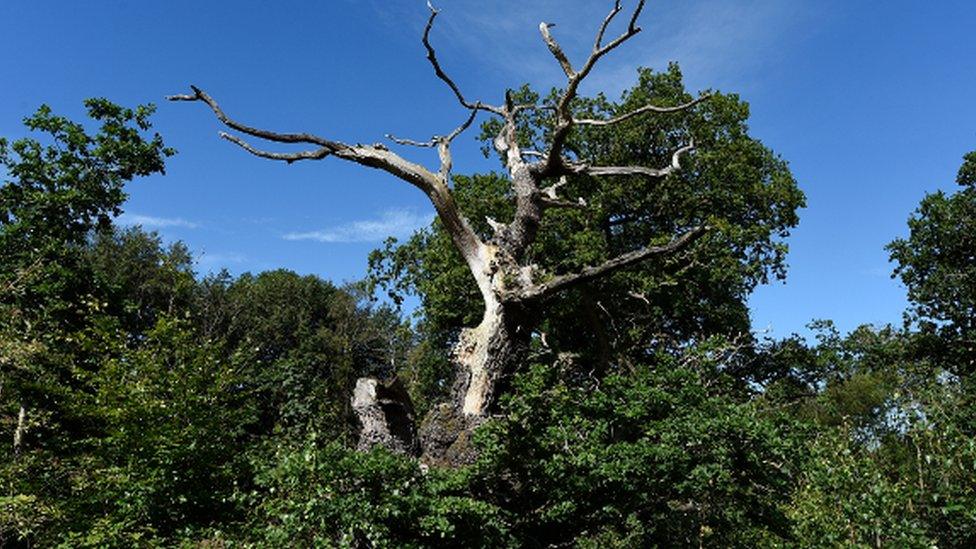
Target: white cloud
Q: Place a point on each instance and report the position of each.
(152, 222)
(397, 223)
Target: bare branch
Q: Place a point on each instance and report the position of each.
(560, 283)
(634, 170)
(638, 112)
(411, 142)
(606, 23)
(557, 51)
(600, 51)
(432, 57)
(551, 200)
(200, 95)
(496, 227)
(317, 154)
(444, 153)
(435, 140)
(550, 191)
(460, 129)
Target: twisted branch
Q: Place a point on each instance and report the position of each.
(373, 156)
(200, 95)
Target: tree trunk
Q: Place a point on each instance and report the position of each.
(484, 356)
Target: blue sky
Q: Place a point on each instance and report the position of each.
(872, 104)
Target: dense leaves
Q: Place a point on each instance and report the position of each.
(654, 456)
(937, 262)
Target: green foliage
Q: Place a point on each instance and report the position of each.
(140, 278)
(60, 190)
(654, 456)
(172, 409)
(847, 500)
(891, 462)
(937, 265)
(913, 489)
(327, 495)
(300, 344)
(651, 457)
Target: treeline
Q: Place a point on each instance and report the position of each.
(141, 405)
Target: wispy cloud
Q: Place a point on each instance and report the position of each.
(398, 223)
(153, 222)
(718, 43)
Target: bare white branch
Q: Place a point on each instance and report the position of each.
(550, 191)
(563, 282)
(411, 142)
(556, 50)
(638, 112)
(634, 170)
(606, 23)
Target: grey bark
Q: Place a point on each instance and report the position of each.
(385, 416)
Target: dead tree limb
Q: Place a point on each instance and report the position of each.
(563, 282)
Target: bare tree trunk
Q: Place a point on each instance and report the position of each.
(484, 357)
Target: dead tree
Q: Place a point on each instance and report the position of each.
(514, 291)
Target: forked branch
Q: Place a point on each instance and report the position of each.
(442, 142)
(606, 23)
(564, 117)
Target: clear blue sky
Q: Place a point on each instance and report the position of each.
(873, 104)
